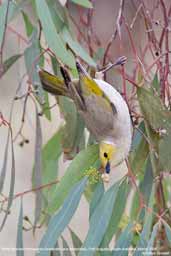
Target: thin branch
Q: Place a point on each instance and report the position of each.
(117, 31)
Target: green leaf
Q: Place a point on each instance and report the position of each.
(53, 39)
(165, 152)
(156, 83)
(96, 197)
(61, 219)
(73, 138)
(46, 106)
(124, 241)
(31, 56)
(56, 14)
(37, 175)
(74, 173)
(56, 251)
(77, 243)
(100, 221)
(99, 54)
(117, 213)
(19, 243)
(66, 251)
(28, 25)
(9, 62)
(151, 241)
(158, 127)
(76, 47)
(145, 233)
(153, 109)
(50, 157)
(14, 8)
(168, 232)
(3, 12)
(84, 3)
(4, 166)
(12, 184)
(145, 188)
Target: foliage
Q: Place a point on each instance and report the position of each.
(147, 225)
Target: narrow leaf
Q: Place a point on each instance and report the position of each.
(66, 250)
(56, 251)
(97, 195)
(4, 166)
(38, 169)
(12, 183)
(3, 19)
(76, 47)
(100, 221)
(168, 231)
(61, 219)
(77, 243)
(84, 3)
(151, 241)
(117, 213)
(50, 157)
(54, 40)
(28, 25)
(19, 243)
(31, 56)
(124, 241)
(9, 62)
(84, 160)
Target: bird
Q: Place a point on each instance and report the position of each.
(103, 109)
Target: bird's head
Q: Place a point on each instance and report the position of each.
(107, 151)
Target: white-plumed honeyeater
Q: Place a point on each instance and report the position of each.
(103, 109)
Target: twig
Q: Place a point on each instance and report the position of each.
(21, 194)
(135, 17)
(117, 31)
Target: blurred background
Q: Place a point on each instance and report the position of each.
(103, 24)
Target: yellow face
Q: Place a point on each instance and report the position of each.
(106, 153)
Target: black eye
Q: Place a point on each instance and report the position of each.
(105, 155)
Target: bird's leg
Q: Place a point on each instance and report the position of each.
(120, 61)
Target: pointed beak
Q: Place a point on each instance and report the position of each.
(107, 168)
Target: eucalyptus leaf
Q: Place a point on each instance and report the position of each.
(12, 184)
(61, 219)
(76, 47)
(84, 160)
(28, 25)
(32, 59)
(77, 243)
(168, 232)
(53, 39)
(4, 9)
(9, 62)
(96, 197)
(73, 139)
(4, 166)
(117, 213)
(100, 221)
(66, 249)
(84, 3)
(124, 241)
(37, 175)
(151, 241)
(50, 157)
(19, 243)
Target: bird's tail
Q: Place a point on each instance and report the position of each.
(53, 84)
